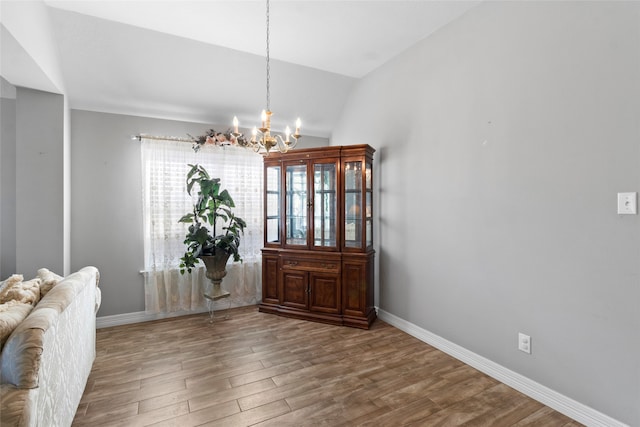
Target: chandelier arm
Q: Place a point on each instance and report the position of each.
(284, 146)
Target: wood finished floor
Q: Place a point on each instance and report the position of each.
(264, 370)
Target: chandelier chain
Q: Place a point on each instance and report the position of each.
(262, 138)
(268, 70)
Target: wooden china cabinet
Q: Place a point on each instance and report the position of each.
(317, 260)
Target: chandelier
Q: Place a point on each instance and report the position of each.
(262, 137)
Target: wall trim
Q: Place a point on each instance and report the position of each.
(137, 317)
(143, 316)
(561, 403)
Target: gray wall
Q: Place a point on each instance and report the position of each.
(501, 143)
(39, 185)
(106, 204)
(7, 179)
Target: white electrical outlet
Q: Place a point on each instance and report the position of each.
(524, 343)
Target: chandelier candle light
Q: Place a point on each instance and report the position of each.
(262, 138)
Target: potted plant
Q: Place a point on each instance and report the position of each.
(212, 212)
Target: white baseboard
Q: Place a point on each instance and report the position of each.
(143, 316)
(137, 317)
(563, 404)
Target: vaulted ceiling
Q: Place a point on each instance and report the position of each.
(205, 60)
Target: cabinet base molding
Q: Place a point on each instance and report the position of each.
(331, 319)
(360, 322)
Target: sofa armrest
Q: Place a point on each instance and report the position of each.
(16, 404)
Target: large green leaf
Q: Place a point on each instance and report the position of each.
(226, 197)
(186, 218)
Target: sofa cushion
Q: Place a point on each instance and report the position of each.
(7, 284)
(11, 314)
(23, 291)
(49, 280)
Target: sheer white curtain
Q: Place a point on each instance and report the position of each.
(165, 201)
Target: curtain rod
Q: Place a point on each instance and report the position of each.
(162, 138)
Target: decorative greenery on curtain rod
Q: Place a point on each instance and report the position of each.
(211, 136)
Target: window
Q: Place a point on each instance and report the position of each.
(165, 201)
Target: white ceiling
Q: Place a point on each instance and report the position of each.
(202, 60)
(345, 37)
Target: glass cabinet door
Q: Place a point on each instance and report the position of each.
(368, 217)
(272, 204)
(324, 204)
(296, 204)
(353, 204)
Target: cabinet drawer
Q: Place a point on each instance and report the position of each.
(311, 264)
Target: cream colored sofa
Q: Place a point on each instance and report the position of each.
(46, 360)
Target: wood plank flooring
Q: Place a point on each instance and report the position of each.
(258, 369)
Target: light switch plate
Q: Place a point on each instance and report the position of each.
(627, 203)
